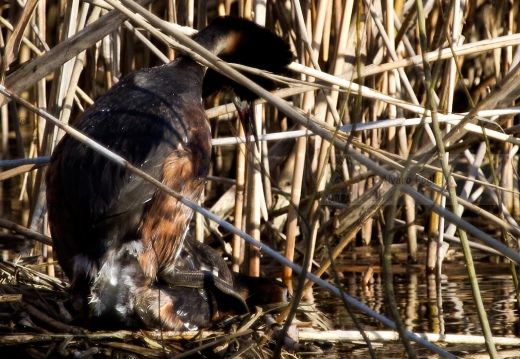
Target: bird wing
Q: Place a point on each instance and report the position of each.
(141, 131)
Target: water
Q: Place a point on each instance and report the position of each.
(418, 304)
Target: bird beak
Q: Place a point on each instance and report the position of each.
(247, 118)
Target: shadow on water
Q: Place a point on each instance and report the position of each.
(423, 308)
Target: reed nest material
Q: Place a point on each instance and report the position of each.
(36, 320)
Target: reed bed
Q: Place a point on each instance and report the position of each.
(396, 123)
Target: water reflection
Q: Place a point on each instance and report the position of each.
(449, 309)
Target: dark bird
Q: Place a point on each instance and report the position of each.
(201, 279)
(116, 236)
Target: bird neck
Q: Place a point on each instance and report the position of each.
(220, 40)
(188, 76)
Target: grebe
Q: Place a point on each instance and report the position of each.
(116, 236)
(202, 289)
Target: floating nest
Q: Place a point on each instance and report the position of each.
(36, 322)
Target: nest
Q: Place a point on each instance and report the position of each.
(36, 322)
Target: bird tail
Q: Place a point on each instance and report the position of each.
(243, 42)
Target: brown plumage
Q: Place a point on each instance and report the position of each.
(114, 233)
